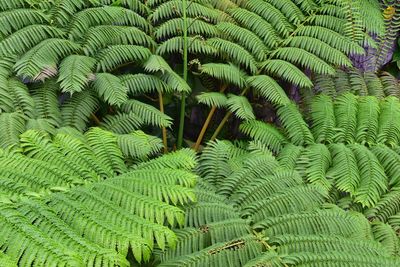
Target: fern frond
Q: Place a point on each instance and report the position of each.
(22, 40)
(75, 71)
(174, 27)
(104, 146)
(16, 19)
(323, 119)
(389, 121)
(367, 120)
(225, 72)
(116, 55)
(346, 108)
(303, 58)
(143, 83)
(212, 99)
(295, 127)
(344, 170)
(373, 181)
(46, 103)
(286, 71)
(41, 61)
(110, 88)
(122, 123)
(269, 89)
(265, 133)
(147, 113)
(240, 106)
(11, 126)
(138, 145)
(197, 46)
(77, 110)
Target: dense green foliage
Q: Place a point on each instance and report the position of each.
(82, 82)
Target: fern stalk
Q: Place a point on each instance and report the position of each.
(207, 122)
(164, 130)
(225, 119)
(185, 74)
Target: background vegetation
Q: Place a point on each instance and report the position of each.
(113, 115)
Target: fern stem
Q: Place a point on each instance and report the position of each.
(221, 125)
(185, 74)
(225, 119)
(96, 120)
(207, 122)
(164, 130)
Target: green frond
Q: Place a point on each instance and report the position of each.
(77, 110)
(269, 89)
(323, 119)
(246, 38)
(22, 40)
(292, 200)
(135, 5)
(122, 123)
(211, 99)
(174, 27)
(389, 160)
(322, 50)
(143, 83)
(332, 38)
(184, 159)
(110, 88)
(172, 9)
(314, 163)
(373, 181)
(234, 253)
(253, 167)
(147, 113)
(339, 259)
(271, 14)
(386, 236)
(104, 146)
(138, 145)
(289, 8)
(114, 56)
(156, 63)
(390, 84)
(286, 71)
(79, 152)
(16, 97)
(41, 61)
(389, 121)
(100, 37)
(214, 165)
(11, 126)
(295, 127)
(331, 222)
(346, 109)
(289, 155)
(36, 145)
(75, 73)
(45, 97)
(16, 19)
(225, 72)
(367, 120)
(288, 244)
(303, 58)
(41, 125)
(33, 241)
(257, 25)
(387, 207)
(46, 220)
(344, 170)
(234, 52)
(265, 133)
(240, 106)
(265, 186)
(197, 46)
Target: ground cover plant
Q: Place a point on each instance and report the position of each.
(199, 133)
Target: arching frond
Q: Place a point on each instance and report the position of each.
(212, 99)
(75, 73)
(269, 89)
(240, 106)
(225, 72)
(110, 88)
(147, 113)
